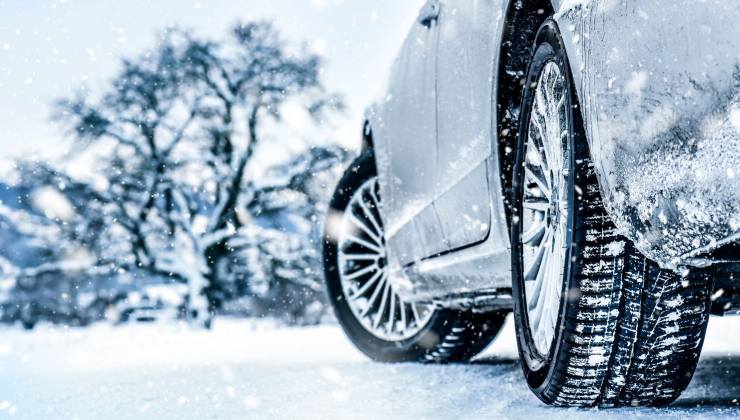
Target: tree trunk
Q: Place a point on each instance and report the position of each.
(217, 254)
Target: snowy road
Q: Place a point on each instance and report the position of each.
(245, 370)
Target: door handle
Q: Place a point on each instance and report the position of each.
(429, 13)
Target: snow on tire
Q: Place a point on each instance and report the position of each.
(621, 331)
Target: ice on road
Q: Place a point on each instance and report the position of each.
(257, 370)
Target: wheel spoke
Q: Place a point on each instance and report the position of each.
(362, 258)
(379, 288)
(365, 229)
(545, 201)
(536, 203)
(376, 202)
(542, 136)
(392, 310)
(555, 285)
(370, 216)
(542, 129)
(364, 243)
(358, 257)
(537, 153)
(368, 284)
(415, 313)
(539, 300)
(533, 174)
(549, 280)
(381, 308)
(534, 234)
(535, 268)
(561, 102)
(361, 272)
(539, 107)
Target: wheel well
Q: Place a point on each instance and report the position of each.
(523, 20)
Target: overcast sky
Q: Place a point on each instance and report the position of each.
(48, 48)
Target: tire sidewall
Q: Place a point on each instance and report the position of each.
(538, 368)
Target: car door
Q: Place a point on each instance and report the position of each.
(405, 135)
(464, 125)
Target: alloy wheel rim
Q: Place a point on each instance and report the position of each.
(363, 272)
(545, 206)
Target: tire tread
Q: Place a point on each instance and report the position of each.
(637, 331)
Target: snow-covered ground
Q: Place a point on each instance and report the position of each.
(257, 370)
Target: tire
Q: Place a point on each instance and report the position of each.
(625, 332)
(446, 336)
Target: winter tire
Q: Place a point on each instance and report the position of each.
(372, 314)
(597, 323)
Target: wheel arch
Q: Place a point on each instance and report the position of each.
(522, 21)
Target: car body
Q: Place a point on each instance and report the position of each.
(659, 88)
(572, 162)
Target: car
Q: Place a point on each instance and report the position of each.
(574, 162)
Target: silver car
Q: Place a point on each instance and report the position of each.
(575, 162)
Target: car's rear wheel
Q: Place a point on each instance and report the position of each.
(597, 323)
(373, 315)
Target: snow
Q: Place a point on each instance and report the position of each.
(659, 83)
(248, 369)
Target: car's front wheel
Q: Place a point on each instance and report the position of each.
(597, 323)
(375, 318)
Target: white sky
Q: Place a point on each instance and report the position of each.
(48, 48)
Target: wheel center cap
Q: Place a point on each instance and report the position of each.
(382, 262)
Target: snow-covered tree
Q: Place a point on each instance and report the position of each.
(172, 140)
(276, 257)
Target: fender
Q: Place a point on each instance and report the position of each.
(661, 105)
